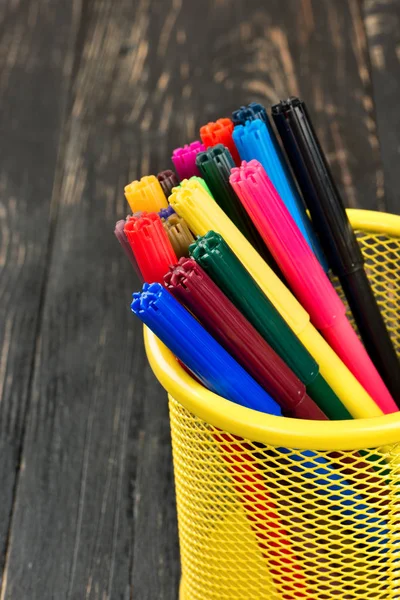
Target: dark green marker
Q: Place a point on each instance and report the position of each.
(216, 258)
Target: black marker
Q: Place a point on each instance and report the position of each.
(336, 234)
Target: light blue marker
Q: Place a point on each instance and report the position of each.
(256, 139)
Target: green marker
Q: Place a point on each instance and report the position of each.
(213, 254)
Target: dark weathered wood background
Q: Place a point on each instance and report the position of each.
(94, 93)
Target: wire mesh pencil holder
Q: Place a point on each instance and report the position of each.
(281, 509)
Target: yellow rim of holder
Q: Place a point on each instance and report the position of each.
(278, 431)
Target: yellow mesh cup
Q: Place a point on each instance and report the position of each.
(271, 508)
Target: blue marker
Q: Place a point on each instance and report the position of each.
(198, 350)
(256, 139)
(252, 111)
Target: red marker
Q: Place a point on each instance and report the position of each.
(150, 245)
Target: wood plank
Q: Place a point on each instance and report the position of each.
(35, 61)
(315, 49)
(95, 507)
(382, 21)
(94, 515)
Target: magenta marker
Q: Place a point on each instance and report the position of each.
(305, 276)
(184, 159)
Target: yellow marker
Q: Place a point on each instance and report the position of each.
(146, 194)
(203, 214)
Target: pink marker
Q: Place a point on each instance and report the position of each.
(184, 159)
(305, 276)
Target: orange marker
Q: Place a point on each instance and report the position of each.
(220, 132)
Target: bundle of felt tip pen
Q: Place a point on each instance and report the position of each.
(236, 275)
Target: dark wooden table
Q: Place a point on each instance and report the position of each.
(94, 93)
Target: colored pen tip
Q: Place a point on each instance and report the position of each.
(247, 170)
(184, 159)
(220, 132)
(142, 222)
(220, 150)
(180, 194)
(164, 213)
(167, 175)
(150, 244)
(134, 215)
(188, 149)
(147, 298)
(249, 113)
(179, 234)
(177, 196)
(184, 193)
(178, 274)
(212, 132)
(285, 105)
(192, 184)
(204, 244)
(145, 194)
(202, 182)
(119, 229)
(250, 127)
(218, 155)
(202, 157)
(168, 180)
(121, 236)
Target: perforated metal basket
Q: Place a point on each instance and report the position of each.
(271, 508)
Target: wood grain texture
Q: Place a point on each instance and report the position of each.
(95, 512)
(94, 516)
(33, 95)
(315, 49)
(382, 21)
